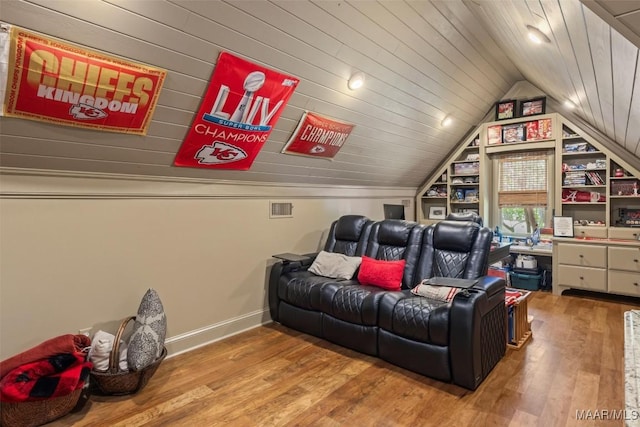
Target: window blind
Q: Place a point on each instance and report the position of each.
(522, 179)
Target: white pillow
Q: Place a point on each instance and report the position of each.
(101, 346)
(335, 266)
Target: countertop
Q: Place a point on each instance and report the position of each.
(598, 241)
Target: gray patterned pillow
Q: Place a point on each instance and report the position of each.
(335, 265)
(150, 328)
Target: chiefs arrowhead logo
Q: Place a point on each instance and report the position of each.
(317, 149)
(219, 153)
(86, 112)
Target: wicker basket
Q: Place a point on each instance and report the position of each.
(117, 382)
(36, 413)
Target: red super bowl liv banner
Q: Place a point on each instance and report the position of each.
(58, 82)
(318, 136)
(241, 106)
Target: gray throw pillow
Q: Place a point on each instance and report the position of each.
(149, 331)
(335, 266)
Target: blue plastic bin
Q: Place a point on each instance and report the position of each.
(530, 282)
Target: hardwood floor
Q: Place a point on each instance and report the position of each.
(273, 375)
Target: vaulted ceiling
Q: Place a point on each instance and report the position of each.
(423, 60)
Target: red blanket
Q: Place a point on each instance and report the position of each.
(55, 376)
(62, 344)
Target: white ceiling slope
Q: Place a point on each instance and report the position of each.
(423, 60)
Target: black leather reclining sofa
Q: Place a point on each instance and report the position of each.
(460, 341)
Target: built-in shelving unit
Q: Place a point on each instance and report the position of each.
(523, 133)
(599, 202)
(456, 185)
(583, 183)
(595, 187)
(624, 204)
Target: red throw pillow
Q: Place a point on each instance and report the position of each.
(383, 274)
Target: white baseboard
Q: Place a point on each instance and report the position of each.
(209, 334)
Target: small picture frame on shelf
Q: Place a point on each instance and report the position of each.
(470, 168)
(562, 226)
(471, 196)
(532, 130)
(514, 133)
(506, 109)
(545, 129)
(458, 195)
(532, 107)
(437, 212)
(494, 135)
(629, 217)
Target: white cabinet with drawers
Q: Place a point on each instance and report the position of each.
(624, 270)
(600, 265)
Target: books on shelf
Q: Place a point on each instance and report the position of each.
(581, 178)
(574, 178)
(594, 178)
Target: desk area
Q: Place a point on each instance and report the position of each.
(541, 250)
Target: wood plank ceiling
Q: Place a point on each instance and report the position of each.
(423, 60)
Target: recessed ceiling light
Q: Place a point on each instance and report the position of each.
(356, 81)
(537, 36)
(569, 104)
(446, 121)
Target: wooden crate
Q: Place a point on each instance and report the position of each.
(518, 322)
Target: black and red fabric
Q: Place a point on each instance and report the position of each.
(67, 343)
(58, 375)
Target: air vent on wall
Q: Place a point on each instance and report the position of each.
(280, 210)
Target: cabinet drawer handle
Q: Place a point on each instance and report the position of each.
(635, 284)
(581, 256)
(635, 260)
(581, 278)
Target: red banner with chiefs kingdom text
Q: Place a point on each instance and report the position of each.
(54, 81)
(241, 106)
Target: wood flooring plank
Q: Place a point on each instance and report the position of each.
(276, 376)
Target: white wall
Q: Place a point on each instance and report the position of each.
(78, 252)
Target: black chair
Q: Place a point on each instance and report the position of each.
(465, 216)
(294, 292)
(351, 309)
(460, 341)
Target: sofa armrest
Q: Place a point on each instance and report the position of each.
(490, 284)
(294, 262)
(287, 262)
(477, 331)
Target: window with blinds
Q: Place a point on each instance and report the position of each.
(522, 179)
(523, 191)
